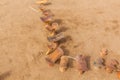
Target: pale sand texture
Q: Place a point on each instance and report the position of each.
(92, 25)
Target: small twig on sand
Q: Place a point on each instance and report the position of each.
(71, 57)
(33, 9)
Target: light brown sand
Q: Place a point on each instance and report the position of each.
(92, 25)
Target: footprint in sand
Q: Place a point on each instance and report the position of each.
(112, 26)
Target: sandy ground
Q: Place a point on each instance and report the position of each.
(92, 25)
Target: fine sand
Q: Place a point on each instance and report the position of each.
(90, 24)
